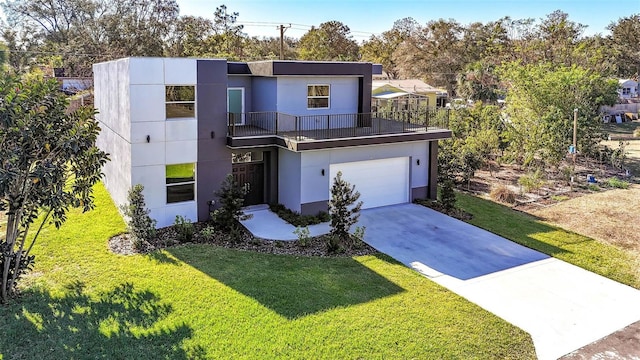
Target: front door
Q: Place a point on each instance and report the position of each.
(235, 104)
(251, 177)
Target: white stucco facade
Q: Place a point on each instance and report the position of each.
(136, 132)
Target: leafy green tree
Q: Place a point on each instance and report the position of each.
(89, 31)
(381, 49)
(268, 48)
(188, 37)
(330, 41)
(479, 82)
(344, 209)
(540, 103)
(625, 41)
(433, 52)
(49, 165)
(560, 36)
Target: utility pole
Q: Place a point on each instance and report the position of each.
(575, 134)
(282, 29)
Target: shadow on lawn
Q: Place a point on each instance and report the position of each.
(119, 324)
(291, 286)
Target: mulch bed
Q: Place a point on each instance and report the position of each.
(166, 237)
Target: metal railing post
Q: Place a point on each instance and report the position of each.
(426, 119)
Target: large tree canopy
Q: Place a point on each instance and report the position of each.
(331, 41)
(49, 163)
(625, 40)
(540, 105)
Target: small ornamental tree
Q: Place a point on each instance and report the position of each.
(141, 226)
(344, 209)
(231, 198)
(48, 164)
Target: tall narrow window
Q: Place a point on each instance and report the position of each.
(318, 96)
(180, 101)
(180, 180)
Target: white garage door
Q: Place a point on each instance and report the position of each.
(380, 182)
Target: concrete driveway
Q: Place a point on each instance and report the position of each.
(562, 306)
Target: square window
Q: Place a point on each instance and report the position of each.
(180, 180)
(318, 96)
(180, 101)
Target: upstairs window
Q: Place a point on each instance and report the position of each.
(180, 101)
(317, 96)
(626, 91)
(180, 180)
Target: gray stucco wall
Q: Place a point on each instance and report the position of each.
(264, 94)
(111, 97)
(214, 158)
(289, 179)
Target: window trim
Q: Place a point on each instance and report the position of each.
(166, 186)
(328, 97)
(195, 97)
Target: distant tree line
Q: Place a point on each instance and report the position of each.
(73, 34)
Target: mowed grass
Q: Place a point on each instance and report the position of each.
(604, 259)
(200, 301)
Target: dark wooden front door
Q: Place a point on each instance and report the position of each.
(251, 177)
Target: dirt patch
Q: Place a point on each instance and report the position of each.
(166, 237)
(610, 216)
(622, 344)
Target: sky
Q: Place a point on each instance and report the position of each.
(367, 17)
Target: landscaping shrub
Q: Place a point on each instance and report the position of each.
(344, 209)
(559, 198)
(617, 183)
(297, 219)
(531, 181)
(503, 194)
(304, 236)
(184, 228)
(140, 225)
(447, 195)
(636, 132)
(230, 212)
(208, 233)
(593, 187)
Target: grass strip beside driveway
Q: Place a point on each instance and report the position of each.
(600, 258)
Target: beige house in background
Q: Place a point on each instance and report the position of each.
(406, 94)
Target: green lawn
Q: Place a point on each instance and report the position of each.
(604, 259)
(200, 301)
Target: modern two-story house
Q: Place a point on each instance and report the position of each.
(283, 129)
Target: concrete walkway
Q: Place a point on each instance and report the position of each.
(266, 225)
(562, 306)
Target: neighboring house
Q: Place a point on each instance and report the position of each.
(406, 94)
(628, 88)
(282, 128)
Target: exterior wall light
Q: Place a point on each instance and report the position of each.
(148, 138)
(418, 162)
(322, 172)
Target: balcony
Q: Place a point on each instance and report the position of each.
(309, 132)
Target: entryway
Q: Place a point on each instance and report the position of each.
(248, 171)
